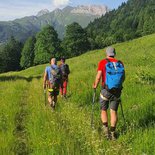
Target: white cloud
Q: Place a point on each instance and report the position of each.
(60, 3)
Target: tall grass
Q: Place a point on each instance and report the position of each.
(67, 130)
(11, 97)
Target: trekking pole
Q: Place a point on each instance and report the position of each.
(92, 113)
(45, 95)
(122, 113)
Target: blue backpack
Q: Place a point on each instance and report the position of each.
(114, 75)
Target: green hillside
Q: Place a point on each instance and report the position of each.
(28, 127)
(133, 19)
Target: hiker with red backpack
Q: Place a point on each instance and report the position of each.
(65, 72)
(113, 75)
(52, 80)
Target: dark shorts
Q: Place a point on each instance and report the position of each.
(54, 92)
(112, 99)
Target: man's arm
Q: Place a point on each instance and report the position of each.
(97, 80)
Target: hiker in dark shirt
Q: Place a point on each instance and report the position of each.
(65, 72)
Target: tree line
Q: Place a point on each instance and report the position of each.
(40, 48)
(133, 19)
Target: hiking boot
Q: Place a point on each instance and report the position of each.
(106, 132)
(113, 135)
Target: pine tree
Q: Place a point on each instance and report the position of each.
(27, 57)
(11, 55)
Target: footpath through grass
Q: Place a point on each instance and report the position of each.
(27, 125)
(13, 113)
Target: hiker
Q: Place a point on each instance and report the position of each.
(52, 80)
(113, 75)
(65, 72)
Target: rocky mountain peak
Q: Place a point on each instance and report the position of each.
(91, 9)
(42, 12)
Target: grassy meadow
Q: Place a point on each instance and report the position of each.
(27, 126)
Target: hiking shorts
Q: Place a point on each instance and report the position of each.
(53, 92)
(112, 99)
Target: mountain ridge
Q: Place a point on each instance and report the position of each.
(91, 9)
(42, 12)
(28, 26)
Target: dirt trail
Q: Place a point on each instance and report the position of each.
(20, 146)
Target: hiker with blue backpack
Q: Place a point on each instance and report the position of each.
(112, 73)
(52, 81)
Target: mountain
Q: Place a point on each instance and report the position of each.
(22, 28)
(91, 9)
(43, 12)
(133, 19)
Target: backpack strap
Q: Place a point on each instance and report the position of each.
(105, 86)
(54, 71)
(110, 61)
(52, 67)
(107, 60)
(119, 61)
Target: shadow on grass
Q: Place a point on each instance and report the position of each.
(145, 120)
(148, 119)
(14, 78)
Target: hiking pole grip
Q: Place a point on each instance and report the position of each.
(94, 95)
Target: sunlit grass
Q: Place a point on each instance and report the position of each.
(68, 130)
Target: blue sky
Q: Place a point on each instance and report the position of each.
(12, 9)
